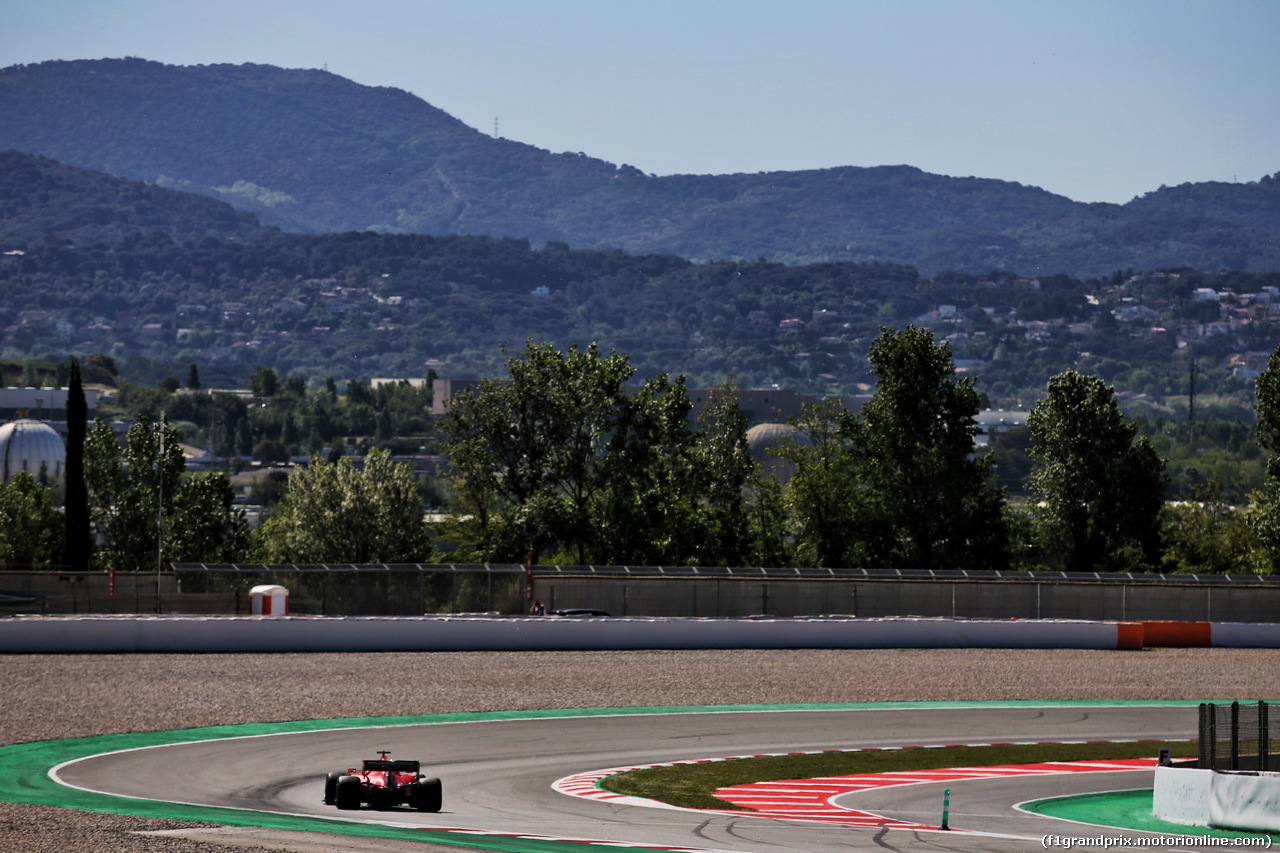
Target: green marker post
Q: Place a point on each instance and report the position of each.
(946, 806)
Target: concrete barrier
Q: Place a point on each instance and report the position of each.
(1181, 795)
(1243, 635)
(1245, 802)
(87, 634)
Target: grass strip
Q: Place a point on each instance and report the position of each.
(691, 785)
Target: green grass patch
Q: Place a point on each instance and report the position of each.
(691, 785)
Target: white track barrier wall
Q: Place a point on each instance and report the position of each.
(1246, 635)
(1181, 795)
(88, 634)
(1247, 802)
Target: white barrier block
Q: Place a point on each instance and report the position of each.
(1245, 802)
(1246, 635)
(1181, 795)
(193, 634)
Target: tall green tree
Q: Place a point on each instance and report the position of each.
(768, 522)
(1206, 535)
(559, 459)
(670, 493)
(832, 512)
(78, 536)
(31, 528)
(1267, 407)
(334, 513)
(936, 497)
(265, 382)
(129, 486)
(526, 452)
(137, 494)
(1101, 485)
(645, 508)
(204, 525)
(723, 462)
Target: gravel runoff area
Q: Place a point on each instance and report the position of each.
(59, 696)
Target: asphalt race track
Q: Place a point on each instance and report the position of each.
(498, 774)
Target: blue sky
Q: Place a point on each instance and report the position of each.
(1097, 101)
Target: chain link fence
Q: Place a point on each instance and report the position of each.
(1237, 736)
(713, 591)
(408, 589)
(224, 590)
(716, 592)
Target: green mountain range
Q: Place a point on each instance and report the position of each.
(309, 151)
(159, 279)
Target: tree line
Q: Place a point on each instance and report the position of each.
(559, 461)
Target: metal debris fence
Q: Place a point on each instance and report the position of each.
(1237, 736)
(408, 589)
(696, 591)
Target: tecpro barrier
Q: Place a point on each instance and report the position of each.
(1246, 802)
(89, 634)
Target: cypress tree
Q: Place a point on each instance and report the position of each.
(79, 542)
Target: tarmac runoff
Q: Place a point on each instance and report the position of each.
(28, 774)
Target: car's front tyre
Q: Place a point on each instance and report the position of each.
(331, 786)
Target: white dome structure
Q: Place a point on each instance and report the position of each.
(31, 446)
(762, 437)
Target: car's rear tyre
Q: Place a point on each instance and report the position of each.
(330, 786)
(346, 792)
(428, 796)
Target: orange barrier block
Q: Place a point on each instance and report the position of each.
(1177, 634)
(1129, 635)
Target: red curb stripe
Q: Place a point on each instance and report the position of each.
(810, 799)
(775, 799)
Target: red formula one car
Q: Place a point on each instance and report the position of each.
(382, 783)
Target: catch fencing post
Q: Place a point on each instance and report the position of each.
(1264, 736)
(1235, 735)
(1213, 738)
